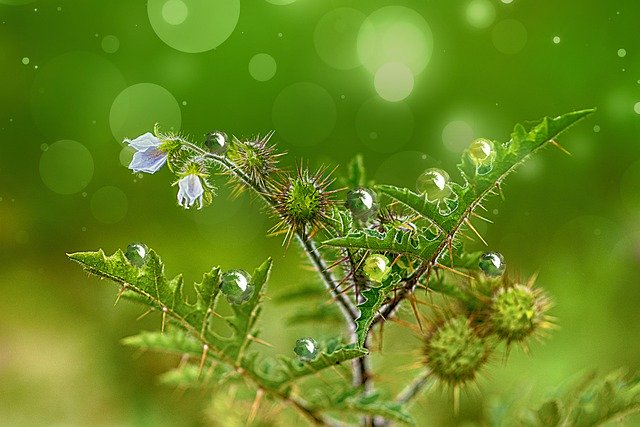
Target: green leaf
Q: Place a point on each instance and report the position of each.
(371, 404)
(191, 376)
(373, 299)
(356, 173)
(171, 341)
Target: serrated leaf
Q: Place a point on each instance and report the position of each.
(371, 405)
(372, 301)
(171, 341)
(191, 376)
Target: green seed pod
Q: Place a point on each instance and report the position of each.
(517, 312)
(454, 352)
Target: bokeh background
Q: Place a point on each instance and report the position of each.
(406, 83)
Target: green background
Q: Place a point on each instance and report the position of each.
(79, 76)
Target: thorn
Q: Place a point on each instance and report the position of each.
(259, 341)
(144, 314)
(404, 324)
(450, 246)
(205, 349)
(466, 220)
(482, 207)
(412, 300)
(453, 270)
(381, 336)
(255, 406)
(336, 263)
(164, 318)
(481, 217)
(456, 399)
(560, 147)
(122, 289)
(498, 186)
(532, 280)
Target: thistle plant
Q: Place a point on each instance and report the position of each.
(377, 249)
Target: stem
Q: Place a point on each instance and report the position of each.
(412, 390)
(348, 310)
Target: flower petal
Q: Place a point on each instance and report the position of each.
(144, 142)
(149, 161)
(190, 191)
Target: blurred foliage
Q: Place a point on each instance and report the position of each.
(66, 64)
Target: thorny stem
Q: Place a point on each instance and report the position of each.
(413, 389)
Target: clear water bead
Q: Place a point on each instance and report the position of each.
(137, 254)
(306, 349)
(236, 286)
(492, 264)
(482, 153)
(216, 142)
(362, 203)
(434, 184)
(376, 267)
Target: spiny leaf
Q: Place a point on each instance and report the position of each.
(372, 405)
(392, 240)
(191, 376)
(171, 341)
(373, 299)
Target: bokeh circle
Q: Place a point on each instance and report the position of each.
(480, 13)
(262, 67)
(336, 37)
(193, 26)
(393, 81)
(395, 34)
(509, 36)
(139, 107)
(383, 126)
(66, 167)
(304, 114)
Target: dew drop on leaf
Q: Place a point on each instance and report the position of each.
(236, 286)
(306, 349)
(482, 153)
(137, 254)
(362, 203)
(434, 184)
(492, 264)
(376, 267)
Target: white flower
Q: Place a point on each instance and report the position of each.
(148, 156)
(190, 191)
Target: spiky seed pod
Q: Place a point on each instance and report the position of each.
(454, 352)
(303, 201)
(517, 312)
(256, 158)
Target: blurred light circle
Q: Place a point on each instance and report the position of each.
(26, 60)
(110, 44)
(556, 39)
(393, 81)
(480, 13)
(72, 93)
(109, 205)
(281, 2)
(507, 1)
(636, 107)
(262, 67)
(509, 36)
(126, 155)
(139, 107)
(622, 53)
(336, 37)
(395, 34)
(193, 25)
(66, 167)
(383, 126)
(304, 114)
(174, 12)
(457, 135)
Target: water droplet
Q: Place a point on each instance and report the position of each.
(236, 286)
(622, 53)
(306, 349)
(596, 128)
(492, 264)
(636, 107)
(137, 254)
(376, 267)
(216, 142)
(25, 60)
(556, 39)
(362, 203)
(434, 184)
(482, 153)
